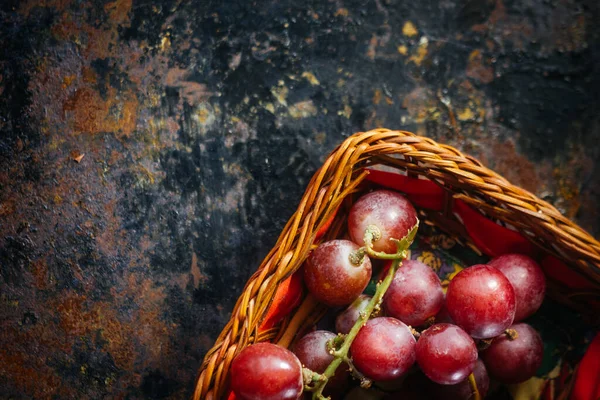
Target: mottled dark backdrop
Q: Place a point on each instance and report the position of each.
(151, 151)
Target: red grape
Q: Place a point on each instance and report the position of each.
(527, 278)
(446, 354)
(391, 212)
(481, 301)
(330, 275)
(384, 349)
(265, 371)
(463, 390)
(347, 318)
(312, 352)
(514, 360)
(415, 294)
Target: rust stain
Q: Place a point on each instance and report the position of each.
(419, 55)
(119, 10)
(568, 38)
(421, 104)
(175, 76)
(504, 26)
(302, 109)
(68, 80)
(568, 190)
(341, 12)
(7, 206)
(109, 240)
(476, 69)
(504, 158)
(311, 78)
(377, 97)
(28, 374)
(87, 112)
(97, 42)
(198, 276)
(465, 115)
(372, 48)
(192, 92)
(39, 270)
(118, 335)
(76, 156)
(280, 94)
(25, 7)
(66, 30)
(75, 319)
(409, 29)
(88, 75)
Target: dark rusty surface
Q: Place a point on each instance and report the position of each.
(151, 151)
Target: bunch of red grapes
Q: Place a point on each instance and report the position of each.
(447, 342)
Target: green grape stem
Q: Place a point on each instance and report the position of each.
(341, 347)
(473, 383)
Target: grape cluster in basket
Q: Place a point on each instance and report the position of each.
(412, 338)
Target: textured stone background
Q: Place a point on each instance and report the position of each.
(151, 151)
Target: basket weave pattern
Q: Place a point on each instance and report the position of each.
(462, 176)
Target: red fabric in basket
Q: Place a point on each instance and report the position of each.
(558, 271)
(326, 226)
(587, 381)
(422, 193)
(491, 238)
(287, 297)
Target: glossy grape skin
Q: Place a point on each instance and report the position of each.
(415, 294)
(312, 352)
(265, 371)
(331, 277)
(391, 212)
(446, 354)
(347, 318)
(462, 390)
(384, 349)
(514, 361)
(527, 279)
(481, 300)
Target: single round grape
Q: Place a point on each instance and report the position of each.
(514, 360)
(265, 371)
(312, 352)
(527, 279)
(446, 354)
(347, 318)
(384, 349)
(415, 294)
(481, 301)
(330, 275)
(389, 211)
(462, 390)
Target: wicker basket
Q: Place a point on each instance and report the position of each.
(462, 178)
